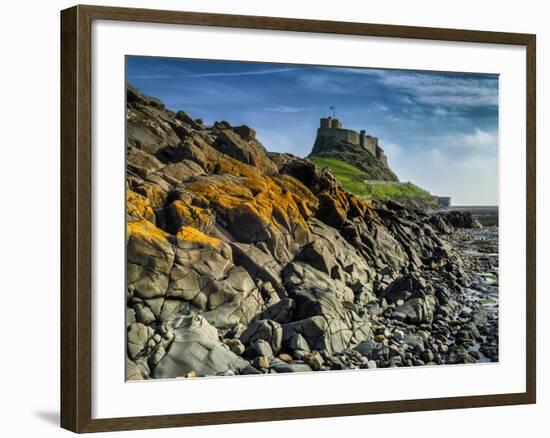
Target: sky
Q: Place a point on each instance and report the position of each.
(439, 130)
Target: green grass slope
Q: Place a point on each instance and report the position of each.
(353, 179)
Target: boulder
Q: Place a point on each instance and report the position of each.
(282, 367)
(419, 310)
(140, 340)
(260, 348)
(281, 312)
(264, 329)
(196, 348)
(204, 274)
(240, 144)
(150, 256)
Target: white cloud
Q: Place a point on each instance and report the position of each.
(479, 140)
(434, 89)
(243, 73)
(284, 109)
(390, 149)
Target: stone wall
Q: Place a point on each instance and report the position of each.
(328, 136)
(371, 144)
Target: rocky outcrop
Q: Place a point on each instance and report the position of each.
(241, 261)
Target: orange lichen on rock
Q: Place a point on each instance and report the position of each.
(357, 207)
(138, 207)
(183, 213)
(304, 199)
(145, 230)
(261, 208)
(193, 235)
(155, 195)
(213, 161)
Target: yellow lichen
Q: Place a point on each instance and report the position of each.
(138, 206)
(154, 193)
(145, 230)
(278, 203)
(187, 214)
(193, 235)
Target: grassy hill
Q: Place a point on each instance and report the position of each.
(353, 180)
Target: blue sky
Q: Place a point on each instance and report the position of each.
(439, 130)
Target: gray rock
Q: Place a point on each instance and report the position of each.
(259, 264)
(398, 335)
(133, 372)
(298, 342)
(139, 340)
(415, 341)
(427, 356)
(236, 346)
(149, 260)
(282, 367)
(130, 316)
(418, 310)
(204, 275)
(261, 362)
(315, 361)
(260, 348)
(196, 348)
(144, 314)
(280, 312)
(267, 330)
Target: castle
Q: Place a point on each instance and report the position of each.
(330, 131)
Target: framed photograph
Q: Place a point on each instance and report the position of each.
(269, 218)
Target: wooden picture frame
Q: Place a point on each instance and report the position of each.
(76, 218)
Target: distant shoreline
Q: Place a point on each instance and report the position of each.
(487, 215)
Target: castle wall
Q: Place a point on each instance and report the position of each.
(335, 134)
(371, 143)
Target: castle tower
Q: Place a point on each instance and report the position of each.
(326, 122)
(329, 122)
